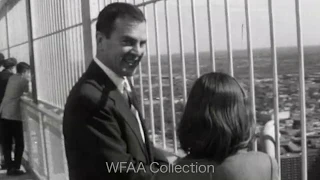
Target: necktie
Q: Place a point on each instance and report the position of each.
(126, 94)
(128, 97)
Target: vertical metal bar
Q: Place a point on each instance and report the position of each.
(159, 75)
(65, 50)
(59, 14)
(69, 52)
(80, 33)
(141, 91)
(54, 53)
(68, 63)
(98, 2)
(149, 81)
(249, 48)
(211, 40)
(51, 77)
(64, 60)
(76, 41)
(44, 20)
(275, 80)
(47, 57)
(59, 70)
(132, 78)
(229, 42)
(45, 91)
(183, 61)
(53, 20)
(56, 69)
(78, 55)
(50, 17)
(46, 11)
(82, 53)
(86, 25)
(44, 146)
(47, 47)
(302, 91)
(195, 38)
(31, 53)
(59, 57)
(173, 111)
(73, 44)
(7, 30)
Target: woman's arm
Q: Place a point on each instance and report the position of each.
(268, 138)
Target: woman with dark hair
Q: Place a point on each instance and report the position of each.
(217, 129)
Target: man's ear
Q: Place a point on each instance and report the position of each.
(99, 37)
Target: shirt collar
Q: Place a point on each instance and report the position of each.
(117, 80)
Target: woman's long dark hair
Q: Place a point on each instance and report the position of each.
(217, 121)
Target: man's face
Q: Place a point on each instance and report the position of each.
(123, 50)
(27, 74)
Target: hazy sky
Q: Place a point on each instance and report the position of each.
(284, 14)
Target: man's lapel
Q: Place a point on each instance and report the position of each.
(110, 91)
(145, 131)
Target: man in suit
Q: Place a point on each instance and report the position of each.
(11, 118)
(102, 123)
(5, 74)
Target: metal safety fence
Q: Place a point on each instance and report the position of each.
(57, 38)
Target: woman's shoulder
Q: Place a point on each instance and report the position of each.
(188, 160)
(248, 165)
(247, 159)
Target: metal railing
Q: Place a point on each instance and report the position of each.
(63, 43)
(44, 142)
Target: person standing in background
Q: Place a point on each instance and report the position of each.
(1, 60)
(18, 84)
(5, 74)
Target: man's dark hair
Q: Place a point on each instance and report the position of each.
(112, 12)
(10, 63)
(217, 121)
(22, 67)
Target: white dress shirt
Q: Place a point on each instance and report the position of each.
(119, 82)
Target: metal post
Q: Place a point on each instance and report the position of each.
(183, 60)
(44, 146)
(151, 113)
(195, 38)
(229, 42)
(31, 53)
(249, 48)
(158, 52)
(7, 29)
(275, 81)
(86, 24)
(212, 53)
(302, 93)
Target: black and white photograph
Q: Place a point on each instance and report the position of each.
(159, 89)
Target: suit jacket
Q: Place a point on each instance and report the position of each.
(4, 77)
(241, 166)
(100, 129)
(10, 106)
